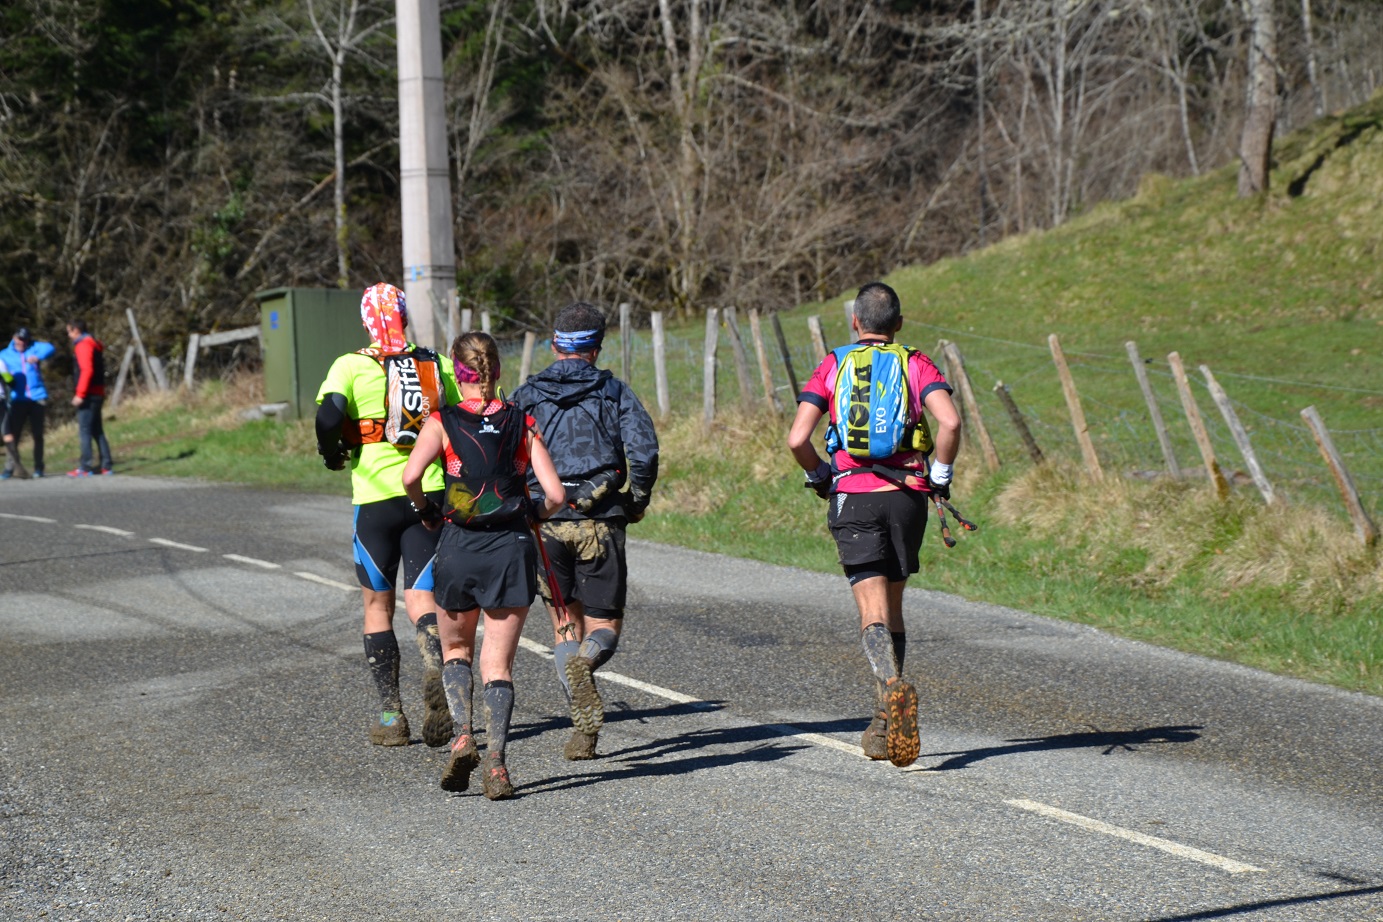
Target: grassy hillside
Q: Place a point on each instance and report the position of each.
(1282, 298)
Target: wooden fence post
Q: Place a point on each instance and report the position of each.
(765, 372)
(660, 363)
(741, 359)
(625, 346)
(1363, 525)
(485, 321)
(1241, 436)
(1140, 372)
(154, 380)
(120, 378)
(1193, 418)
(955, 370)
(787, 356)
(1068, 387)
(849, 313)
(530, 339)
(1019, 422)
(818, 338)
(194, 343)
(467, 318)
(708, 369)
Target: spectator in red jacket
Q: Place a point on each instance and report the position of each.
(88, 396)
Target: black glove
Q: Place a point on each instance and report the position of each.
(820, 480)
(586, 495)
(334, 456)
(636, 505)
(429, 513)
(941, 490)
(581, 495)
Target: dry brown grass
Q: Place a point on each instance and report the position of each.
(752, 443)
(1315, 559)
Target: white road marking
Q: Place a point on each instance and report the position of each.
(107, 529)
(1174, 848)
(819, 739)
(546, 652)
(252, 560)
(177, 546)
(27, 518)
(313, 577)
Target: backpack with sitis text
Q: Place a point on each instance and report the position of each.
(412, 391)
(873, 403)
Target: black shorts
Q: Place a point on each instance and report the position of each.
(878, 533)
(388, 532)
(486, 568)
(588, 560)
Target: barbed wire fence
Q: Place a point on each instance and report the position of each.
(1117, 416)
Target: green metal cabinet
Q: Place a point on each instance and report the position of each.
(304, 330)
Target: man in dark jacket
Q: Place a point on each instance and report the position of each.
(600, 438)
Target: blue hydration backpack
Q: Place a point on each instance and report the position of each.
(873, 403)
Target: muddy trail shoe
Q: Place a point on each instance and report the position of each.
(587, 710)
(437, 727)
(580, 747)
(900, 700)
(874, 739)
(456, 777)
(496, 783)
(390, 730)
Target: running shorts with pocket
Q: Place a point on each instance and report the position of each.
(589, 563)
(387, 533)
(881, 531)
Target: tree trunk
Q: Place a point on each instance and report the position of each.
(1256, 142)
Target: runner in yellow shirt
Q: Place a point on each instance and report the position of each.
(370, 408)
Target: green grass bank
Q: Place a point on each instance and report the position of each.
(1282, 297)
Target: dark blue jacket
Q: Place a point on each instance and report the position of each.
(593, 426)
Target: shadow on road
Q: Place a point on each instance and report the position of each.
(650, 760)
(1108, 740)
(615, 713)
(1227, 911)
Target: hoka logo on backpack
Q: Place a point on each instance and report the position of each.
(873, 403)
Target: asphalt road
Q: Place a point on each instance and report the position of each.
(185, 707)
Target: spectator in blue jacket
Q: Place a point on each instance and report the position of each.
(29, 396)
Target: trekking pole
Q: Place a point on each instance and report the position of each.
(945, 529)
(965, 523)
(565, 625)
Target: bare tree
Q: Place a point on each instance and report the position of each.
(1256, 141)
(340, 37)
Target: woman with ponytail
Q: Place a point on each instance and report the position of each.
(486, 556)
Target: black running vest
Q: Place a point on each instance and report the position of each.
(490, 489)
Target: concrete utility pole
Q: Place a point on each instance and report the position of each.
(429, 252)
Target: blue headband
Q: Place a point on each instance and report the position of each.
(574, 341)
